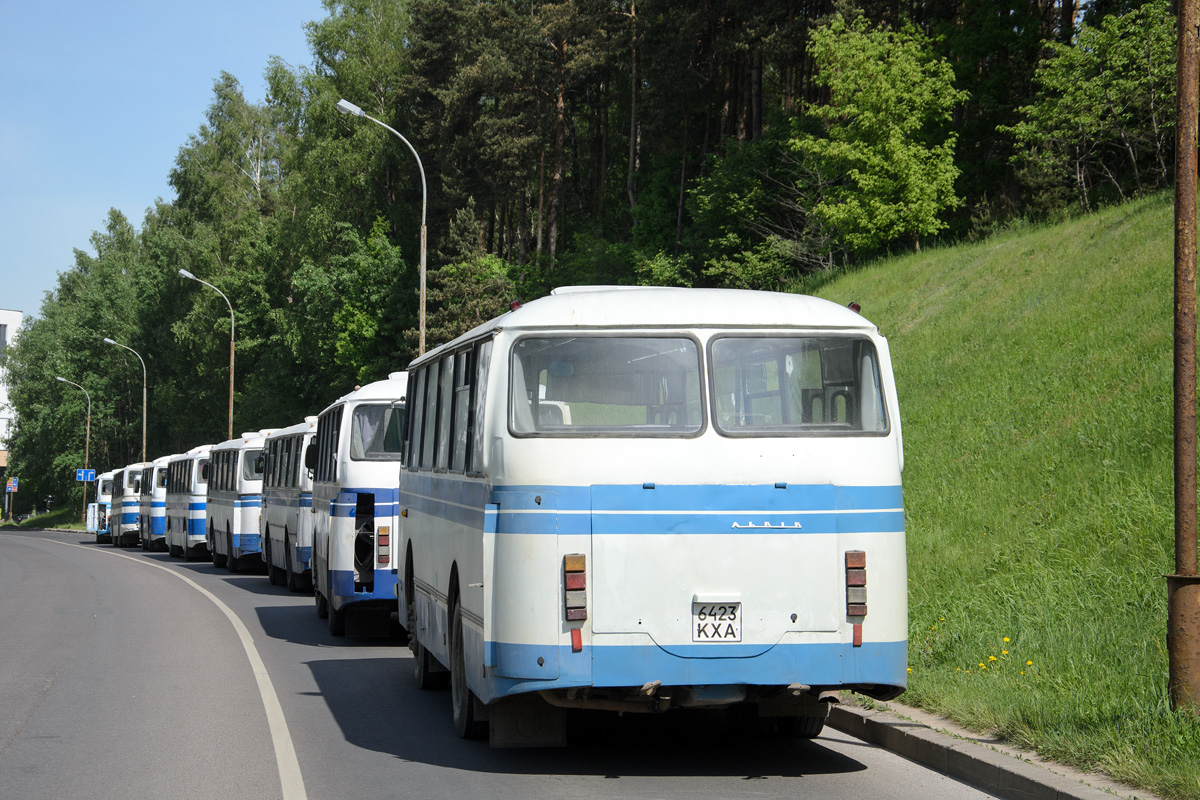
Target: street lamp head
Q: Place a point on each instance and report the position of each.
(184, 273)
(346, 107)
(60, 378)
(108, 340)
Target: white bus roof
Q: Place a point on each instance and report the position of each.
(247, 439)
(164, 459)
(308, 426)
(660, 306)
(392, 387)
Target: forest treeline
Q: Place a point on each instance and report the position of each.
(698, 143)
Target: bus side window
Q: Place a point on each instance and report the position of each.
(462, 411)
(483, 360)
(429, 435)
(445, 400)
(416, 419)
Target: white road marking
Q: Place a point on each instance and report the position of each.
(290, 779)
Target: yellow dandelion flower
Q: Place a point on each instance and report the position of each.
(1003, 652)
(1006, 638)
(991, 658)
(1029, 663)
(1022, 672)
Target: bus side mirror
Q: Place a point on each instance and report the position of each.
(137, 487)
(260, 465)
(310, 457)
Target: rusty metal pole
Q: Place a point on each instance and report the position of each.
(1183, 588)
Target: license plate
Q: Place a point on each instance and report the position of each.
(716, 622)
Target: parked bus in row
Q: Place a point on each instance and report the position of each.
(647, 499)
(187, 496)
(152, 505)
(234, 501)
(286, 523)
(355, 482)
(126, 501)
(104, 490)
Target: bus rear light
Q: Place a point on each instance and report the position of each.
(856, 585)
(576, 640)
(575, 587)
(383, 540)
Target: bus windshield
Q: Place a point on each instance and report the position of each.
(789, 385)
(615, 385)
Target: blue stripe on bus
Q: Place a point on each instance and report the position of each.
(387, 501)
(831, 664)
(197, 506)
(601, 509)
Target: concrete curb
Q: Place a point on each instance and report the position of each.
(982, 763)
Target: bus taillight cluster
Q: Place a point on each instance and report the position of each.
(575, 587)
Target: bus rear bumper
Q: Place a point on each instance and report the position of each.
(877, 669)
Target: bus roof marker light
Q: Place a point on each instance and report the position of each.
(855, 307)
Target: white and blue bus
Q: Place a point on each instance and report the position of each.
(187, 496)
(152, 505)
(125, 511)
(234, 500)
(104, 490)
(286, 524)
(647, 499)
(355, 466)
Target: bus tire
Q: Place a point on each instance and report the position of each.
(337, 620)
(322, 605)
(272, 572)
(293, 585)
(423, 672)
(230, 560)
(462, 699)
(807, 727)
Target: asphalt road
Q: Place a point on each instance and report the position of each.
(132, 675)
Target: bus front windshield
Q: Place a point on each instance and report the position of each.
(606, 385)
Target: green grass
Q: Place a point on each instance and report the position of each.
(58, 518)
(1034, 373)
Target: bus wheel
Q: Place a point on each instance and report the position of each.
(462, 699)
(337, 620)
(807, 727)
(291, 576)
(322, 606)
(230, 559)
(272, 572)
(423, 669)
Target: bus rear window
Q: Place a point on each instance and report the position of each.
(606, 385)
(252, 464)
(376, 431)
(796, 385)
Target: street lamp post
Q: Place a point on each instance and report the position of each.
(139, 358)
(346, 107)
(87, 440)
(184, 273)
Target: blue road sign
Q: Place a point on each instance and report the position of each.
(85, 474)
(12, 485)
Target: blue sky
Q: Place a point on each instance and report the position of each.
(97, 99)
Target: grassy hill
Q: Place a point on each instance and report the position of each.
(1035, 378)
